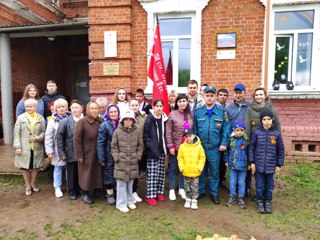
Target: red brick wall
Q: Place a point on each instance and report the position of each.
(300, 121)
(246, 18)
(74, 8)
(36, 60)
(42, 11)
(139, 46)
(110, 16)
(9, 17)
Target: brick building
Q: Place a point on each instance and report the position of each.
(90, 48)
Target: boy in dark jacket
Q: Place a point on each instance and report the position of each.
(236, 162)
(266, 155)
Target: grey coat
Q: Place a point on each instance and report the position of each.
(127, 148)
(51, 140)
(21, 135)
(252, 118)
(65, 139)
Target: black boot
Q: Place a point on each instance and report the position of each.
(268, 206)
(99, 194)
(231, 201)
(241, 203)
(259, 206)
(85, 197)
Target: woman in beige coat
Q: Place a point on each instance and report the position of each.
(127, 148)
(29, 132)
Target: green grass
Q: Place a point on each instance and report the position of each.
(10, 182)
(299, 211)
(296, 214)
(116, 225)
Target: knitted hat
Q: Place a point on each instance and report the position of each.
(239, 124)
(264, 113)
(128, 114)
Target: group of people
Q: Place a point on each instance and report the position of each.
(104, 152)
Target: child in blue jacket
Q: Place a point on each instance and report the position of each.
(266, 155)
(236, 162)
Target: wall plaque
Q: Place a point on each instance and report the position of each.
(111, 69)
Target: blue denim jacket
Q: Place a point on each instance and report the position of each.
(235, 111)
(236, 156)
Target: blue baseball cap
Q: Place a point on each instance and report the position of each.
(210, 89)
(240, 87)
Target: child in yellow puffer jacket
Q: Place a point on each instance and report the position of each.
(191, 160)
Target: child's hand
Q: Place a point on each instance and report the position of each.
(278, 170)
(50, 155)
(172, 151)
(253, 168)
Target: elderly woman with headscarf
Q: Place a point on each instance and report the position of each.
(105, 158)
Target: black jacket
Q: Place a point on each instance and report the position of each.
(150, 135)
(65, 139)
(47, 98)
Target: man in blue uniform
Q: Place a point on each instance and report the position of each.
(212, 126)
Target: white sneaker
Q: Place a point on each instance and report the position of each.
(194, 204)
(182, 193)
(136, 197)
(172, 195)
(58, 192)
(123, 209)
(188, 203)
(132, 206)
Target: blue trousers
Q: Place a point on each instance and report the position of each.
(213, 163)
(264, 186)
(57, 176)
(237, 177)
(173, 171)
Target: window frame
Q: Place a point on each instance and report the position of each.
(174, 55)
(314, 82)
(175, 8)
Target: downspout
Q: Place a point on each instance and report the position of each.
(266, 46)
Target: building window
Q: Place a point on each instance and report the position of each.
(180, 29)
(176, 49)
(294, 54)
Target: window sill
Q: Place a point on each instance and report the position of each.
(292, 94)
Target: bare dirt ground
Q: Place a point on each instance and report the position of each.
(18, 211)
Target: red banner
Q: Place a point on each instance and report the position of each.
(169, 71)
(157, 72)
